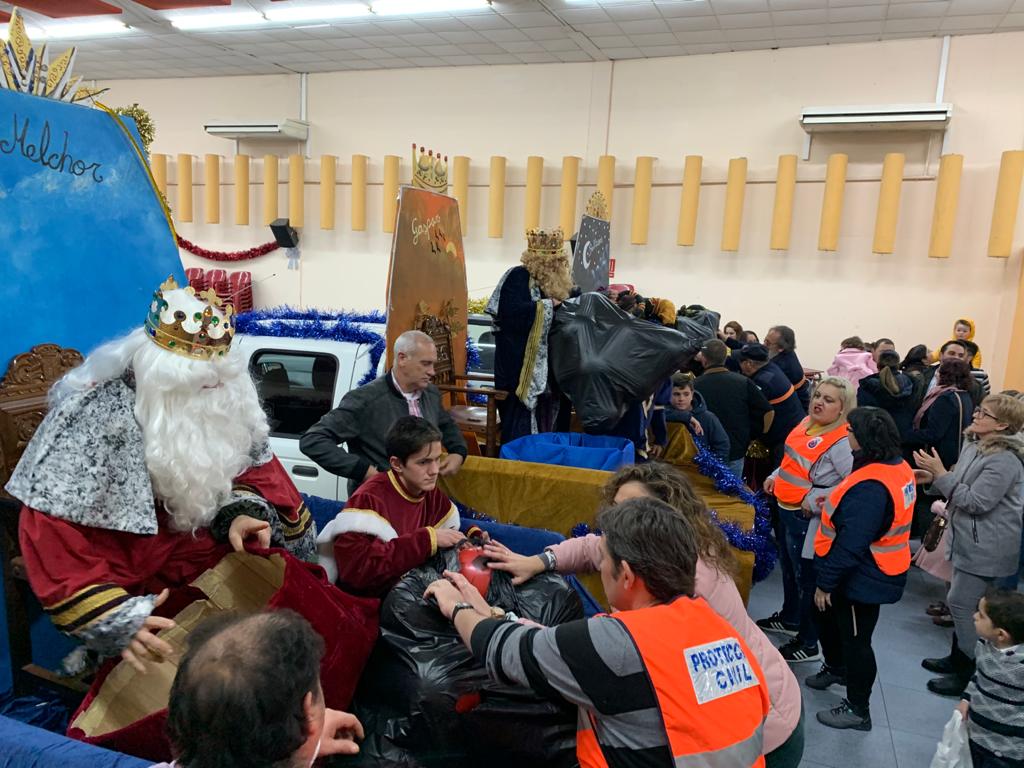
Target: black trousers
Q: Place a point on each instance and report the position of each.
(845, 630)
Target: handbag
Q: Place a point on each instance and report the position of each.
(932, 537)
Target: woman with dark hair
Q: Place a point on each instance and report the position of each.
(916, 361)
(891, 390)
(783, 728)
(944, 414)
(749, 337)
(862, 555)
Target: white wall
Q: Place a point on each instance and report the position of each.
(719, 106)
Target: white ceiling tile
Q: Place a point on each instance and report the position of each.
(481, 48)
(423, 38)
(504, 35)
(396, 64)
(893, 26)
(855, 28)
(754, 45)
(647, 26)
(704, 36)
(574, 56)
(797, 5)
(918, 10)
(442, 50)
(970, 23)
(398, 27)
(978, 7)
(538, 58)
(1018, 6)
(359, 29)
(705, 48)
(646, 41)
(376, 53)
(857, 13)
(362, 65)
(559, 45)
(801, 31)
(792, 18)
(848, 3)
(611, 41)
(489, 21)
(547, 33)
(528, 20)
(379, 41)
(466, 36)
(738, 6)
(529, 46)
(318, 45)
(754, 33)
(583, 16)
(663, 50)
(804, 42)
(461, 61)
(603, 28)
(745, 20)
(1012, 20)
(632, 12)
(405, 51)
(843, 39)
(623, 53)
(503, 58)
(677, 10)
(423, 61)
(448, 24)
(694, 24)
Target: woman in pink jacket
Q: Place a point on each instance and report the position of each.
(783, 730)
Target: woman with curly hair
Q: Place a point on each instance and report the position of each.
(783, 729)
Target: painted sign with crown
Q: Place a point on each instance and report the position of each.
(427, 277)
(85, 234)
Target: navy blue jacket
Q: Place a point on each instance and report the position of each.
(790, 365)
(516, 312)
(714, 433)
(864, 514)
(789, 412)
(942, 425)
(871, 393)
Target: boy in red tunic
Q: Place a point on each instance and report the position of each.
(396, 520)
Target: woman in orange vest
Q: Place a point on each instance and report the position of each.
(817, 457)
(862, 554)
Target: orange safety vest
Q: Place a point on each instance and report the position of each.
(711, 691)
(801, 451)
(891, 550)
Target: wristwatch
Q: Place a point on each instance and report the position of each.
(548, 558)
(458, 607)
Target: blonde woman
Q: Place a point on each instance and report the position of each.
(817, 458)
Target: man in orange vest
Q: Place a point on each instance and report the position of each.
(862, 555)
(663, 679)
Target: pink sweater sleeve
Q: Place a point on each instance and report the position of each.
(578, 555)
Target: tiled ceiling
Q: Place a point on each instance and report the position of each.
(509, 32)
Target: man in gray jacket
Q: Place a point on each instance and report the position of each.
(364, 416)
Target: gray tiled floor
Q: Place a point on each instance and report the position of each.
(907, 719)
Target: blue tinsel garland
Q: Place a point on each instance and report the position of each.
(288, 322)
(757, 540)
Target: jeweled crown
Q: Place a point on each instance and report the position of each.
(198, 327)
(545, 240)
(429, 171)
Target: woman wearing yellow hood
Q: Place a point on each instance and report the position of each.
(963, 330)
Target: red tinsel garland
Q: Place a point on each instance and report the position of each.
(252, 253)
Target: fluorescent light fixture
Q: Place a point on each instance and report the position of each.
(414, 7)
(301, 13)
(79, 29)
(218, 20)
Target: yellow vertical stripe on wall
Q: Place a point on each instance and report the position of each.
(947, 196)
(496, 198)
(888, 212)
(689, 200)
(211, 188)
(606, 179)
(642, 179)
(782, 212)
(270, 178)
(183, 211)
(534, 181)
(328, 184)
(158, 165)
(832, 203)
(391, 166)
(359, 193)
(570, 185)
(296, 191)
(1014, 378)
(735, 190)
(460, 188)
(1004, 212)
(242, 189)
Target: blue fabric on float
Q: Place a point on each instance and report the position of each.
(571, 449)
(25, 746)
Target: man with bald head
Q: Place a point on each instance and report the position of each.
(364, 416)
(247, 693)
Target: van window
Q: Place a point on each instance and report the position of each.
(296, 388)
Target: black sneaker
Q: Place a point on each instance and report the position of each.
(794, 651)
(843, 717)
(823, 678)
(774, 623)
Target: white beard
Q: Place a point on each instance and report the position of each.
(200, 422)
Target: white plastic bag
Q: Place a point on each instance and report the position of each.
(953, 751)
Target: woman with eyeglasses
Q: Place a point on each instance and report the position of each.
(783, 728)
(984, 495)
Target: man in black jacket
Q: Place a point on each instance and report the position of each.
(953, 349)
(364, 416)
(781, 343)
(736, 400)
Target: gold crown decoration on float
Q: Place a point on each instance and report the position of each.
(597, 206)
(545, 240)
(195, 326)
(25, 69)
(429, 171)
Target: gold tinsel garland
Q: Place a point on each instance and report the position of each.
(147, 130)
(477, 306)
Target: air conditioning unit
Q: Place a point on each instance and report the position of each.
(268, 130)
(877, 117)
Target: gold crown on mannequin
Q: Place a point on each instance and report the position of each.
(429, 171)
(545, 240)
(193, 326)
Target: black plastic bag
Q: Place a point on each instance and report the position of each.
(605, 360)
(696, 320)
(425, 701)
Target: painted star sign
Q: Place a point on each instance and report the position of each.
(590, 259)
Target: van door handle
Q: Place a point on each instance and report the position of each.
(304, 470)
